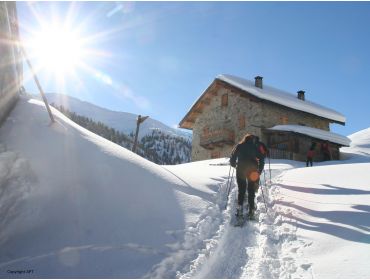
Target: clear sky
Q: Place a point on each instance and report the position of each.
(156, 58)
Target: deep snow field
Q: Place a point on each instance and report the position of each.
(75, 205)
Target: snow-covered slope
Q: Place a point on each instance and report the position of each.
(122, 121)
(328, 207)
(75, 205)
(360, 145)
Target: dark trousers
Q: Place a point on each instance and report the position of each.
(309, 161)
(242, 187)
(246, 174)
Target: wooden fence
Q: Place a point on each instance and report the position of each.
(280, 154)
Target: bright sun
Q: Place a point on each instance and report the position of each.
(57, 50)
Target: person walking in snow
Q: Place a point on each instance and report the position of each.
(310, 154)
(325, 150)
(245, 157)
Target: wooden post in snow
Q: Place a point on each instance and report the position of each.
(139, 120)
(38, 84)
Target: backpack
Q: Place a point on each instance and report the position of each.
(247, 151)
(310, 153)
(262, 149)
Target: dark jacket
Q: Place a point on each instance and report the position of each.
(246, 156)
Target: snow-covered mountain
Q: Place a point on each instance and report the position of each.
(121, 121)
(158, 146)
(76, 205)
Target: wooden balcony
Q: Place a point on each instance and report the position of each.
(217, 138)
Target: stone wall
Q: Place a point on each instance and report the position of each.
(215, 115)
(11, 74)
(258, 114)
(275, 114)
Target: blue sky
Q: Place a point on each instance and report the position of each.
(158, 57)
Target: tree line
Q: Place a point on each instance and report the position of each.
(158, 147)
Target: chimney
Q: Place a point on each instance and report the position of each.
(301, 95)
(258, 81)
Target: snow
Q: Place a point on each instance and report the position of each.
(76, 205)
(89, 205)
(360, 145)
(314, 132)
(283, 98)
(331, 215)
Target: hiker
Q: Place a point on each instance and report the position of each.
(310, 154)
(246, 158)
(325, 150)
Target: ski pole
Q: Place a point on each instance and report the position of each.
(229, 187)
(270, 170)
(38, 84)
(228, 177)
(262, 190)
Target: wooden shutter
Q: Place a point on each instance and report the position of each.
(241, 121)
(224, 100)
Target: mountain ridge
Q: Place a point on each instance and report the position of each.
(122, 121)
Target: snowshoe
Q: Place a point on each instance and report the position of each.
(252, 215)
(239, 211)
(239, 218)
(239, 221)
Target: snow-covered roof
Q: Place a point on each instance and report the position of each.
(282, 98)
(314, 132)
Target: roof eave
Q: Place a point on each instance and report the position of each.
(192, 108)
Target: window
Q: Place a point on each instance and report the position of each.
(205, 131)
(284, 119)
(224, 100)
(241, 121)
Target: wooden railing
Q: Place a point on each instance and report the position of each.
(280, 154)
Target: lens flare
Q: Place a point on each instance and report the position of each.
(57, 50)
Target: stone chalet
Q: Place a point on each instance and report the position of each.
(231, 107)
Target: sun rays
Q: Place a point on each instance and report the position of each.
(62, 47)
(75, 48)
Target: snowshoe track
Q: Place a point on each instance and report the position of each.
(213, 248)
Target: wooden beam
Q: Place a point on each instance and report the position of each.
(206, 101)
(196, 112)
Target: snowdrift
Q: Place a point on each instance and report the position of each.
(76, 205)
(360, 146)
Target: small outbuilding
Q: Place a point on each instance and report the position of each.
(293, 142)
